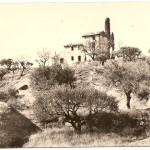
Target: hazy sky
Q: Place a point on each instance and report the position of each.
(26, 28)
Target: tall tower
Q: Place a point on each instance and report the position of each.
(107, 27)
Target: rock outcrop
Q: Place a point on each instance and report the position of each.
(15, 128)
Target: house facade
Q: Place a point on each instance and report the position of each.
(92, 44)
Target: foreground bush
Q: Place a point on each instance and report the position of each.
(46, 77)
(122, 124)
(77, 105)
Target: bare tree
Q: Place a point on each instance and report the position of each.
(55, 58)
(24, 64)
(91, 48)
(120, 44)
(43, 57)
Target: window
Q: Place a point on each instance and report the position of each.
(93, 45)
(85, 58)
(93, 37)
(72, 48)
(79, 58)
(72, 58)
(61, 60)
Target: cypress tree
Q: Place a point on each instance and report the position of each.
(112, 41)
(107, 27)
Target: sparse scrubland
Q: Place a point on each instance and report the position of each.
(91, 104)
(88, 104)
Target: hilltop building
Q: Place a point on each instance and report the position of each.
(100, 42)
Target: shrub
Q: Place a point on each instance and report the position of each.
(8, 94)
(46, 77)
(3, 96)
(77, 105)
(126, 125)
(13, 93)
(2, 73)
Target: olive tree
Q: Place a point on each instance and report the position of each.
(24, 64)
(76, 105)
(3, 72)
(7, 63)
(129, 53)
(102, 57)
(128, 77)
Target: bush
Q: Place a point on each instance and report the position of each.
(77, 105)
(3, 96)
(13, 93)
(46, 77)
(8, 94)
(123, 124)
(2, 73)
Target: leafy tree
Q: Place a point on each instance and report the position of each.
(102, 57)
(48, 76)
(15, 66)
(127, 77)
(68, 102)
(7, 63)
(128, 53)
(43, 57)
(148, 60)
(3, 72)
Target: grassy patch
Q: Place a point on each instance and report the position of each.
(65, 137)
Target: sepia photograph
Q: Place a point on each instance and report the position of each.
(74, 74)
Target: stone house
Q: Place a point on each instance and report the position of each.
(92, 43)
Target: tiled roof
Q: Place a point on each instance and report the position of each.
(70, 45)
(102, 33)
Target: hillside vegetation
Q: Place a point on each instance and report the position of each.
(76, 107)
(126, 125)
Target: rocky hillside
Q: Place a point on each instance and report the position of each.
(17, 114)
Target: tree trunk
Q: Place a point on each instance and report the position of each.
(23, 68)
(128, 96)
(93, 58)
(77, 127)
(22, 72)
(103, 63)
